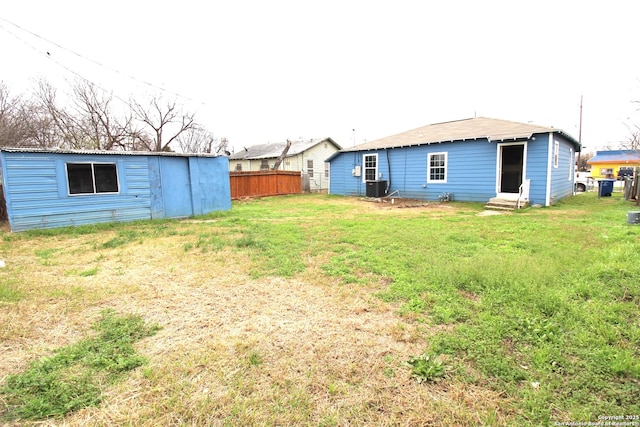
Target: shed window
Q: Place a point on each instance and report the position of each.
(92, 178)
(437, 167)
(556, 154)
(370, 162)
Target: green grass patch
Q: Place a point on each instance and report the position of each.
(74, 376)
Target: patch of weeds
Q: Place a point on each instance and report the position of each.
(45, 255)
(248, 241)
(9, 292)
(539, 330)
(213, 243)
(427, 367)
(73, 377)
(123, 237)
(255, 358)
(82, 273)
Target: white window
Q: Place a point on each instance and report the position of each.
(437, 167)
(556, 153)
(326, 170)
(310, 168)
(92, 178)
(571, 163)
(264, 165)
(370, 162)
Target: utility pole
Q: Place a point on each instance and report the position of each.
(580, 133)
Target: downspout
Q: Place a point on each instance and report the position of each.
(547, 197)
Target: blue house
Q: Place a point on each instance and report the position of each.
(56, 188)
(476, 160)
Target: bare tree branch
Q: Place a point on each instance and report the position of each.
(163, 120)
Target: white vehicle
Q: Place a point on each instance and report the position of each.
(583, 182)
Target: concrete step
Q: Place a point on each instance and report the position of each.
(505, 205)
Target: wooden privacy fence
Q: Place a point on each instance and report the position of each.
(264, 183)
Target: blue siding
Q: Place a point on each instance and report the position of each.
(36, 189)
(537, 168)
(562, 176)
(471, 171)
(213, 188)
(176, 187)
(37, 195)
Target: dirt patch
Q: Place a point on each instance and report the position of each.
(400, 203)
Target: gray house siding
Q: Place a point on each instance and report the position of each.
(37, 191)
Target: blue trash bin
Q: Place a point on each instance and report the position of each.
(605, 187)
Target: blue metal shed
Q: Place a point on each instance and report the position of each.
(472, 160)
(56, 188)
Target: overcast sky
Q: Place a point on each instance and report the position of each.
(260, 71)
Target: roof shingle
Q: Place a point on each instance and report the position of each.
(460, 130)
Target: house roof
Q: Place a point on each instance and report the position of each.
(461, 130)
(273, 150)
(616, 156)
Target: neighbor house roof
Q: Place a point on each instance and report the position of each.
(461, 130)
(269, 151)
(616, 156)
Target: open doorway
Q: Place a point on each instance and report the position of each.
(511, 169)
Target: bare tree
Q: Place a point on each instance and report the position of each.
(165, 121)
(11, 132)
(199, 140)
(96, 119)
(24, 123)
(66, 129)
(633, 139)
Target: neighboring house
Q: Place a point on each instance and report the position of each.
(56, 188)
(473, 160)
(307, 157)
(607, 164)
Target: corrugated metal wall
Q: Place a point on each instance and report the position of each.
(37, 192)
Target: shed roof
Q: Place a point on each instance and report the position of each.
(104, 152)
(461, 130)
(269, 151)
(616, 156)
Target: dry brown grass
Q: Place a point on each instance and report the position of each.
(232, 350)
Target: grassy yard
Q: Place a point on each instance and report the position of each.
(329, 311)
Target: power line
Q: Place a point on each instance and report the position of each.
(49, 56)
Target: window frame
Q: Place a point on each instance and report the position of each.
(94, 183)
(310, 169)
(572, 161)
(365, 167)
(445, 167)
(556, 154)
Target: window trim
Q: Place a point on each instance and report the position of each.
(93, 178)
(556, 153)
(446, 167)
(572, 160)
(310, 170)
(364, 167)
